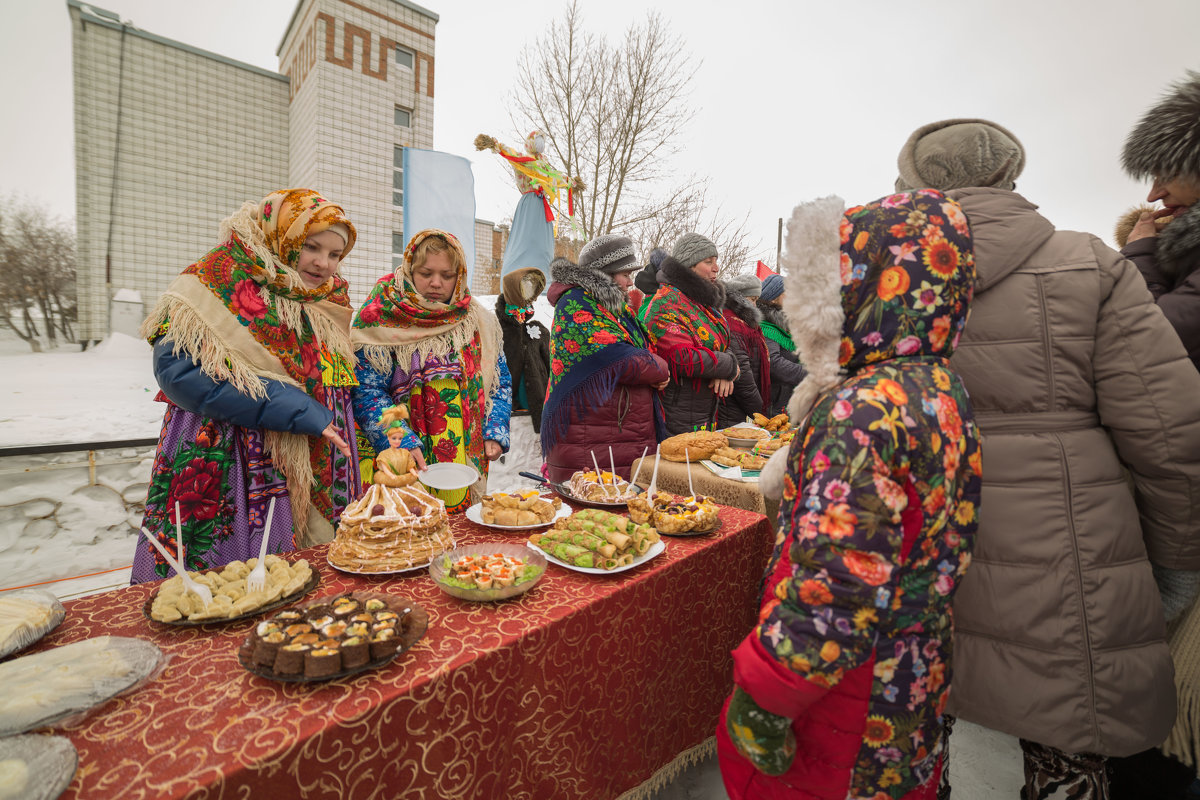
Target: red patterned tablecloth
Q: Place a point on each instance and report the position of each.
(583, 687)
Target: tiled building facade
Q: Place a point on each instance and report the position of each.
(170, 139)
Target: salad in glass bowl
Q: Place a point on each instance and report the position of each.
(484, 572)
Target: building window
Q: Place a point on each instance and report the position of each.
(397, 250)
(403, 117)
(404, 57)
(398, 177)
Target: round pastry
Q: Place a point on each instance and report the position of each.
(695, 446)
(599, 487)
(671, 515)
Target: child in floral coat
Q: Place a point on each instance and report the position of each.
(840, 689)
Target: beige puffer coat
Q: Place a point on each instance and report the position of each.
(1090, 412)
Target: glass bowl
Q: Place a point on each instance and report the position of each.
(439, 568)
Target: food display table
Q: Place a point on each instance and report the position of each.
(585, 687)
(673, 478)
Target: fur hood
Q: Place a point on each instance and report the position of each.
(695, 288)
(594, 282)
(1166, 141)
(889, 280)
(744, 309)
(1178, 247)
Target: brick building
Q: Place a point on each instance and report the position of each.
(170, 139)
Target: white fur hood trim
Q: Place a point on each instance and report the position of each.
(813, 299)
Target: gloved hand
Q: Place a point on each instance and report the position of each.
(1178, 588)
(765, 739)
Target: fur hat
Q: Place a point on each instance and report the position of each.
(609, 253)
(1166, 141)
(956, 153)
(692, 248)
(772, 287)
(743, 285)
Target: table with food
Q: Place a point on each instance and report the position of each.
(419, 654)
(722, 464)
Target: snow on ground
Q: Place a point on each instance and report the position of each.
(103, 393)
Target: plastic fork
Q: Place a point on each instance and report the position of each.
(256, 581)
(199, 589)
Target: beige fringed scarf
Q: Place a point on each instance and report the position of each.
(217, 313)
(396, 321)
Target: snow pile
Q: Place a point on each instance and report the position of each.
(101, 394)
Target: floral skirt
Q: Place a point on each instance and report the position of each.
(223, 481)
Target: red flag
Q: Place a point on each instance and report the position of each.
(763, 271)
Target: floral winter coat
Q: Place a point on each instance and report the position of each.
(879, 510)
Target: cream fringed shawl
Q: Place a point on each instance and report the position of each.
(244, 317)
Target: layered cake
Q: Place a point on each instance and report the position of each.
(390, 529)
(324, 640)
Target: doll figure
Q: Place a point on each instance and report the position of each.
(395, 466)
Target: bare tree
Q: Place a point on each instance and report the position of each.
(737, 252)
(613, 115)
(37, 256)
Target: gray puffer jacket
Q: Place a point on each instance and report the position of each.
(1091, 472)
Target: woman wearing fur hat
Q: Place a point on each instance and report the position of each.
(604, 381)
(747, 343)
(686, 322)
(424, 343)
(1165, 146)
(1088, 404)
(526, 341)
(252, 352)
(786, 370)
(840, 688)
(1165, 244)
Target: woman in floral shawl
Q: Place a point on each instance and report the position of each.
(839, 691)
(424, 343)
(686, 323)
(603, 377)
(252, 352)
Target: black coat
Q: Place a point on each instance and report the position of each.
(528, 359)
(1170, 264)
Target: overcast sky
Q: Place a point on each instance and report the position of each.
(795, 99)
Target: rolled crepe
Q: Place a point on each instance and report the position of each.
(608, 563)
(625, 559)
(620, 540)
(642, 545)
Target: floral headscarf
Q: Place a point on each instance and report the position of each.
(289, 216)
(396, 321)
(904, 276)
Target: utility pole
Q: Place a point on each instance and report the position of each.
(778, 244)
